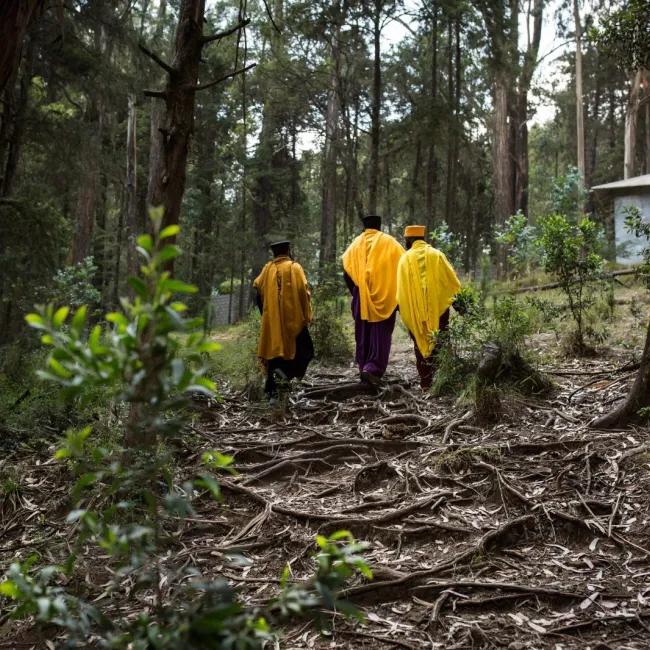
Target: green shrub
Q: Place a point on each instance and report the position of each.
(571, 254)
(136, 359)
(520, 237)
(329, 330)
(507, 323)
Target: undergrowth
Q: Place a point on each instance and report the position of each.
(507, 323)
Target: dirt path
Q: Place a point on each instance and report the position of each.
(531, 533)
(528, 534)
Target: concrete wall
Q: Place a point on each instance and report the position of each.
(222, 304)
(634, 244)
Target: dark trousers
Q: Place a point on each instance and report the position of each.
(426, 365)
(292, 368)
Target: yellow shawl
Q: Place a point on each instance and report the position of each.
(371, 261)
(286, 307)
(426, 286)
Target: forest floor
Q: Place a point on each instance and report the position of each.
(532, 532)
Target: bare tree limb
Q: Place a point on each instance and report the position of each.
(228, 32)
(270, 15)
(160, 94)
(156, 59)
(228, 76)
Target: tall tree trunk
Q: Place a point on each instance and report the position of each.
(449, 216)
(431, 178)
(595, 128)
(131, 194)
(525, 79)
(375, 110)
(638, 398)
(330, 152)
(631, 119)
(15, 17)
(501, 167)
(155, 137)
(647, 124)
(179, 96)
(267, 154)
(580, 122)
(415, 179)
(19, 121)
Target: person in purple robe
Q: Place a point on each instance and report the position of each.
(370, 273)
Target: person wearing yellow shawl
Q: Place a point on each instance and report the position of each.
(426, 287)
(284, 301)
(370, 272)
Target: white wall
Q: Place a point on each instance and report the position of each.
(635, 245)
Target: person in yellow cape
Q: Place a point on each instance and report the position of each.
(284, 301)
(426, 287)
(370, 272)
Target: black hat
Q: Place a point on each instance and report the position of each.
(280, 248)
(372, 221)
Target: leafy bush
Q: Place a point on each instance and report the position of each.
(568, 196)
(448, 243)
(332, 340)
(75, 286)
(571, 254)
(136, 359)
(507, 324)
(522, 241)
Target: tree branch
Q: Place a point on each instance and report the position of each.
(228, 32)
(270, 15)
(228, 76)
(156, 59)
(160, 94)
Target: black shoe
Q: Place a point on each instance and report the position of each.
(369, 378)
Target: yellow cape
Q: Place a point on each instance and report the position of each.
(426, 286)
(286, 307)
(371, 261)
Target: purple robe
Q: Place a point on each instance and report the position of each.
(373, 339)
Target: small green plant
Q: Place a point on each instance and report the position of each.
(572, 257)
(136, 358)
(448, 243)
(332, 342)
(523, 244)
(569, 197)
(76, 286)
(635, 224)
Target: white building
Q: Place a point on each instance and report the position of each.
(631, 192)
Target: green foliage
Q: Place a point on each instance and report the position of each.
(237, 363)
(635, 224)
(624, 34)
(448, 243)
(75, 286)
(568, 196)
(571, 254)
(136, 359)
(227, 287)
(331, 336)
(507, 323)
(522, 241)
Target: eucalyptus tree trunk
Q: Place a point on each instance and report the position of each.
(449, 196)
(631, 120)
(638, 398)
(131, 194)
(580, 121)
(431, 176)
(330, 152)
(267, 150)
(155, 137)
(15, 18)
(375, 110)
